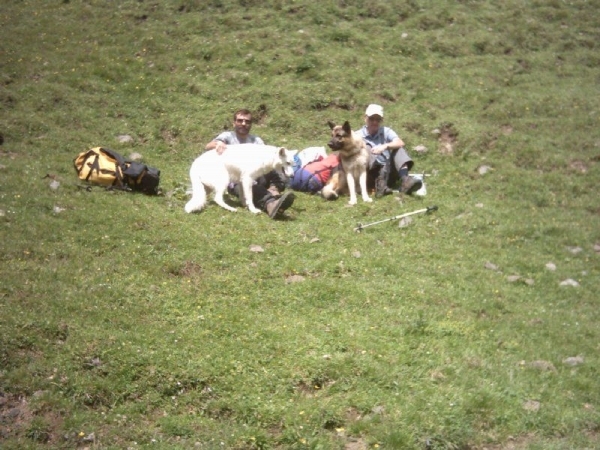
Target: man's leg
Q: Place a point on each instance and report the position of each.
(381, 182)
(275, 181)
(403, 164)
(263, 198)
(380, 167)
(273, 205)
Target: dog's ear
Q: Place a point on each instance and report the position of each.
(347, 127)
(331, 124)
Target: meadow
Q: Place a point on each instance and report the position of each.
(126, 323)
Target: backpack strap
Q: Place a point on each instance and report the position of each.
(120, 167)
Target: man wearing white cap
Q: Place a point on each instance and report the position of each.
(388, 155)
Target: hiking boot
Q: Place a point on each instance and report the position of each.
(382, 189)
(277, 206)
(410, 185)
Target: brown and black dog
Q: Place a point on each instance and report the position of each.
(354, 159)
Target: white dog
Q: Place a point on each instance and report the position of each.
(242, 162)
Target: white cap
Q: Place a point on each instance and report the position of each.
(374, 110)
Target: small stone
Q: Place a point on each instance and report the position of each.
(490, 266)
(420, 149)
(483, 169)
(356, 254)
(569, 282)
(124, 138)
(513, 278)
(404, 222)
(256, 249)
(543, 365)
(95, 362)
(314, 240)
(294, 279)
(13, 413)
(57, 210)
(531, 405)
(551, 266)
(136, 157)
(573, 360)
(378, 410)
(529, 281)
(54, 185)
(575, 250)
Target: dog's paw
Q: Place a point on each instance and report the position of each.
(352, 202)
(254, 210)
(368, 200)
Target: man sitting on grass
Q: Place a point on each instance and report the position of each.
(267, 190)
(389, 159)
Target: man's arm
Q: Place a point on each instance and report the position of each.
(219, 143)
(394, 142)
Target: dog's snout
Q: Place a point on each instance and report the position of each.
(333, 144)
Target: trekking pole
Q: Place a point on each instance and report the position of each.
(360, 226)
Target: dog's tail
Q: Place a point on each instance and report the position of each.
(198, 200)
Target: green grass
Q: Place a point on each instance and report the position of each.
(126, 323)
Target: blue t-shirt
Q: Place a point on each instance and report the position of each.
(230, 138)
(383, 136)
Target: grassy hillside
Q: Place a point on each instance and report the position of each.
(126, 323)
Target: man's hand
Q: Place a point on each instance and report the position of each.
(379, 149)
(220, 147)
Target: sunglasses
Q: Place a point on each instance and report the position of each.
(248, 121)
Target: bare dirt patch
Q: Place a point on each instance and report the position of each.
(447, 139)
(188, 269)
(18, 419)
(578, 166)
